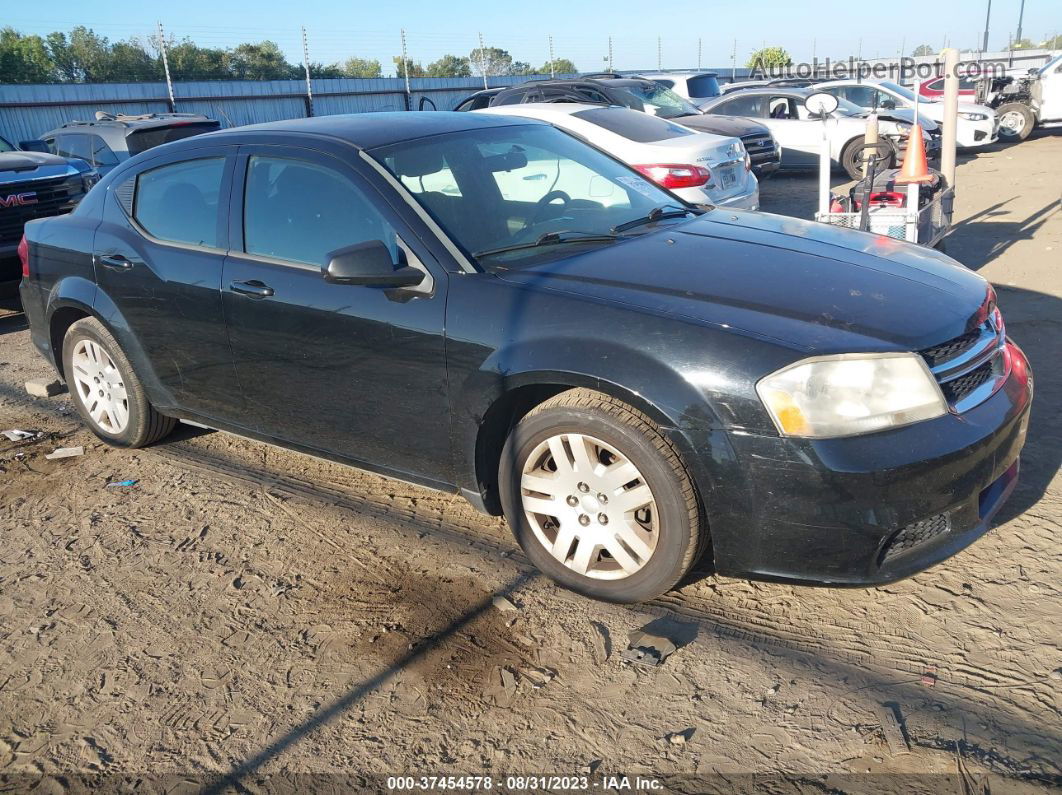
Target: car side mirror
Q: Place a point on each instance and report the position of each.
(369, 264)
(33, 146)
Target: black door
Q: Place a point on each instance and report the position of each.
(356, 371)
(158, 256)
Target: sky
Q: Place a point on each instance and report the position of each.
(580, 30)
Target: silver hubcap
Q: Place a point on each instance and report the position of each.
(1013, 121)
(589, 506)
(99, 387)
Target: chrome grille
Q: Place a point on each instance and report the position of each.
(53, 197)
(972, 366)
(760, 146)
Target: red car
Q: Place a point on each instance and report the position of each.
(933, 89)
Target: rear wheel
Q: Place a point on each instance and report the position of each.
(598, 498)
(107, 394)
(1016, 121)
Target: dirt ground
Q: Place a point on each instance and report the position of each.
(244, 610)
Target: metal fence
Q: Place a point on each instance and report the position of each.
(26, 111)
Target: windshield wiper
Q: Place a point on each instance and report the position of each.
(552, 239)
(654, 215)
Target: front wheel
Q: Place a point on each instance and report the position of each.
(107, 393)
(1016, 121)
(598, 498)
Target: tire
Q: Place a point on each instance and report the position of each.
(652, 546)
(96, 368)
(852, 158)
(1016, 121)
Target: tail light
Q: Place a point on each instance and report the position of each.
(676, 175)
(23, 255)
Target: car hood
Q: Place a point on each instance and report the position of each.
(22, 166)
(906, 116)
(734, 126)
(806, 285)
(935, 110)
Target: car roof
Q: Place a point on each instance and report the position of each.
(548, 108)
(147, 120)
(772, 90)
(655, 75)
(366, 130)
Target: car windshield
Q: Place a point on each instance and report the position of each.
(660, 101)
(518, 194)
(896, 88)
(846, 108)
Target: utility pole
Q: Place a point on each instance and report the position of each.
(482, 60)
(552, 66)
(1021, 14)
(698, 54)
(859, 55)
(659, 56)
(611, 68)
(166, 68)
(733, 62)
(306, 68)
(405, 71)
(988, 16)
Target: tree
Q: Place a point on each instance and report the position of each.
(1053, 43)
(189, 61)
(320, 70)
(922, 50)
(561, 66)
(261, 61)
(130, 62)
(490, 61)
(415, 69)
(23, 59)
(1022, 44)
(361, 67)
(80, 58)
(449, 66)
(769, 58)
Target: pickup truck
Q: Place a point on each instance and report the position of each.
(34, 185)
(1025, 103)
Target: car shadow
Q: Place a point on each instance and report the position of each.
(975, 244)
(12, 323)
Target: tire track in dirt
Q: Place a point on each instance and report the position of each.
(884, 651)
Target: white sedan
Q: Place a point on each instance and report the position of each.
(699, 167)
(977, 125)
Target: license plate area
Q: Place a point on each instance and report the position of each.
(727, 177)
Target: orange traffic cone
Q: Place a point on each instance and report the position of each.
(915, 168)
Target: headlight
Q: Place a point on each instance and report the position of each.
(851, 394)
(89, 178)
(973, 116)
(903, 128)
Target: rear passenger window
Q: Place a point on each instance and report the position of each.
(299, 211)
(102, 155)
(179, 202)
(742, 106)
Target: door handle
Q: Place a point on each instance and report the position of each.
(115, 262)
(253, 289)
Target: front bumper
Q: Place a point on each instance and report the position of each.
(972, 134)
(871, 509)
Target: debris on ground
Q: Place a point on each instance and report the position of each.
(44, 387)
(680, 738)
(65, 452)
(656, 641)
(122, 484)
(893, 730)
(602, 642)
(504, 604)
(538, 677)
(18, 435)
(501, 686)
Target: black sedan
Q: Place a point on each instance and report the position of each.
(630, 379)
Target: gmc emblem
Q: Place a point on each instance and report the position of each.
(18, 199)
